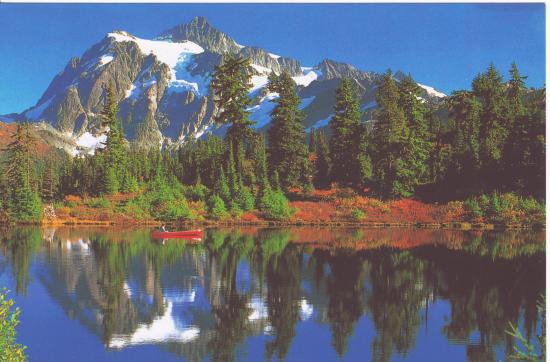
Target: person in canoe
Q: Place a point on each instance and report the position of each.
(163, 228)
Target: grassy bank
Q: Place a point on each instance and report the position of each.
(336, 207)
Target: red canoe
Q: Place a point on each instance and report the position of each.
(177, 234)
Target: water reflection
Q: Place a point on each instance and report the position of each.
(211, 300)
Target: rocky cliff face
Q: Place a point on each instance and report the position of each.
(163, 87)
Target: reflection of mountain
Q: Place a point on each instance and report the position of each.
(204, 301)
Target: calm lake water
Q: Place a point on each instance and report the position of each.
(252, 294)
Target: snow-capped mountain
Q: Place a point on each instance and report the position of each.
(163, 87)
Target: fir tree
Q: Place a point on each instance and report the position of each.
(24, 203)
(287, 152)
(115, 158)
(230, 86)
(49, 183)
(465, 111)
(517, 148)
(389, 142)
(221, 187)
(232, 176)
(322, 162)
(313, 140)
(494, 123)
(418, 145)
(348, 143)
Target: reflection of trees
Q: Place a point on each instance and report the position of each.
(485, 295)
(345, 293)
(19, 245)
(399, 288)
(488, 280)
(283, 295)
(229, 308)
(118, 313)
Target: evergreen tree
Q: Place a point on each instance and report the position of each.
(322, 162)
(232, 172)
(221, 187)
(418, 145)
(288, 154)
(389, 143)
(350, 164)
(260, 161)
(313, 140)
(115, 158)
(465, 111)
(230, 86)
(494, 123)
(49, 184)
(24, 203)
(517, 150)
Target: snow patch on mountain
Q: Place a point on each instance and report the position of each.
(106, 59)
(309, 76)
(432, 92)
(260, 69)
(138, 87)
(259, 81)
(261, 113)
(274, 56)
(90, 143)
(176, 55)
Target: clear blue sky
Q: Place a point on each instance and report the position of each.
(443, 45)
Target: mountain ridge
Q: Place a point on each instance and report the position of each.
(162, 86)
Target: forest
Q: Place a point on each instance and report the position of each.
(479, 151)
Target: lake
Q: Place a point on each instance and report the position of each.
(249, 294)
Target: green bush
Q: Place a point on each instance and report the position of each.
(197, 192)
(9, 319)
(472, 207)
(216, 208)
(129, 184)
(531, 206)
(138, 207)
(484, 202)
(506, 208)
(245, 198)
(358, 214)
(100, 202)
(70, 204)
(275, 205)
(235, 210)
(174, 210)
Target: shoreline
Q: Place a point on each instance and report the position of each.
(458, 225)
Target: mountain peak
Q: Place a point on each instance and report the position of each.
(201, 32)
(199, 21)
(333, 69)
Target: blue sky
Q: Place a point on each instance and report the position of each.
(442, 45)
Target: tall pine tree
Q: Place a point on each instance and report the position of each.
(287, 152)
(389, 143)
(418, 145)
(23, 198)
(115, 154)
(230, 86)
(348, 148)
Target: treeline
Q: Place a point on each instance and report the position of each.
(491, 138)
